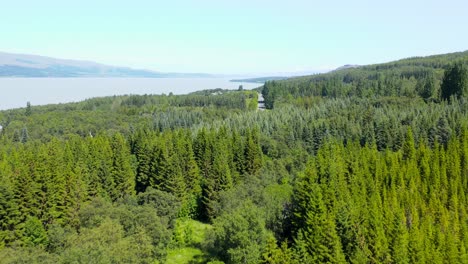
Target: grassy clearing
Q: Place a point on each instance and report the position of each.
(188, 238)
(186, 255)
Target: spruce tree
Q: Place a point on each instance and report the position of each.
(409, 150)
(121, 171)
(454, 82)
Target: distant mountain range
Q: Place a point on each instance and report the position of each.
(22, 65)
(261, 79)
(290, 75)
(347, 66)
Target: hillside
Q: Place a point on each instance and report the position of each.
(261, 79)
(22, 65)
(406, 77)
(352, 166)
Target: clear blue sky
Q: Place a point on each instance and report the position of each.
(239, 36)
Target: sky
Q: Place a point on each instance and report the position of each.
(234, 37)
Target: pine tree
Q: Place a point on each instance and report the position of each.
(416, 240)
(8, 214)
(55, 184)
(142, 151)
(426, 87)
(400, 239)
(252, 153)
(28, 109)
(221, 170)
(454, 82)
(26, 190)
(75, 181)
(100, 181)
(443, 131)
(409, 150)
(237, 156)
(157, 160)
(121, 171)
(191, 173)
(379, 243)
(24, 135)
(202, 148)
(34, 234)
(277, 255)
(174, 181)
(318, 230)
(268, 95)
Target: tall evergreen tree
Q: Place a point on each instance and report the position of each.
(454, 82)
(316, 225)
(122, 171)
(252, 153)
(409, 150)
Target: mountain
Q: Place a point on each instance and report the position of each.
(260, 79)
(347, 66)
(277, 76)
(22, 65)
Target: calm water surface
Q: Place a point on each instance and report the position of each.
(16, 92)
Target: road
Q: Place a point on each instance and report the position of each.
(261, 102)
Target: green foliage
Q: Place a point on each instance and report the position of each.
(316, 226)
(268, 94)
(274, 254)
(27, 255)
(28, 109)
(165, 204)
(454, 82)
(409, 150)
(122, 171)
(186, 255)
(348, 166)
(239, 237)
(34, 232)
(8, 214)
(121, 113)
(406, 78)
(426, 87)
(383, 208)
(188, 237)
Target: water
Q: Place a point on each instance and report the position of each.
(16, 92)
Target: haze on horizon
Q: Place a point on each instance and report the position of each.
(235, 37)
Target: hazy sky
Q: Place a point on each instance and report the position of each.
(241, 36)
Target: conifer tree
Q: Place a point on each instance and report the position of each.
(454, 82)
(409, 150)
(54, 184)
(75, 184)
(191, 173)
(142, 151)
(34, 233)
(253, 154)
(122, 171)
(400, 239)
(237, 156)
(8, 214)
(318, 230)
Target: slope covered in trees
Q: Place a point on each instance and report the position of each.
(413, 77)
(364, 165)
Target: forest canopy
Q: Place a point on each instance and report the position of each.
(359, 165)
